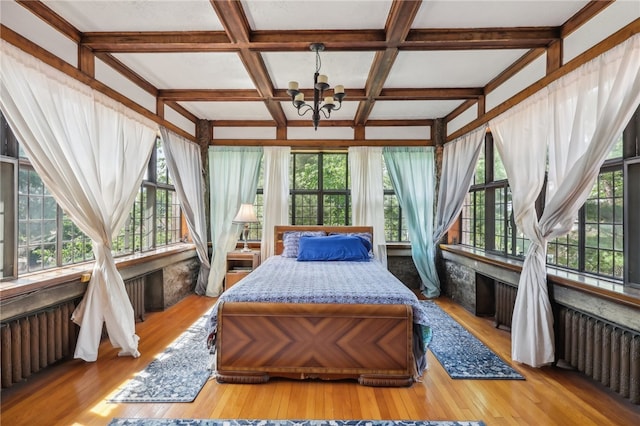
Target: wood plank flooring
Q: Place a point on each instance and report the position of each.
(75, 392)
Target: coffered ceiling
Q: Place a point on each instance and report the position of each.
(402, 63)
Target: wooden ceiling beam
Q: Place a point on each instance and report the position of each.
(52, 60)
(324, 123)
(427, 94)
(180, 110)
(165, 41)
(586, 13)
(211, 95)
(513, 69)
(127, 72)
(51, 18)
(335, 40)
(480, 38)
(280, 95)
(236, 26)
(322, 143)
(299, 40)
(397, 28)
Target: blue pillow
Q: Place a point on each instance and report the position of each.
(365, 236)
(333, 247)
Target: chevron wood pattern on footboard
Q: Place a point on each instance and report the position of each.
(369, 343)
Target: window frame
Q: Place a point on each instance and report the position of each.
(631, 241)
(133, 232)
(255, 230)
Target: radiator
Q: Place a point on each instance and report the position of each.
(36, 341)
(603, 351)
(135, 291)
(505, 301)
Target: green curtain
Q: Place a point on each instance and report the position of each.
(233, 180)
(412, 173)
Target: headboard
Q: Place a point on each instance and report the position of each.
(281, 229)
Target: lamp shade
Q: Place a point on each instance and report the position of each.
(246, 214)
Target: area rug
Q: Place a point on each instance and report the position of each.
(177, 375)
(216, 422)
(461, 354)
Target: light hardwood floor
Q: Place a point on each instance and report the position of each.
(75, 392)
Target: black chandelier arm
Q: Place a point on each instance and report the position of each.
(303, 108)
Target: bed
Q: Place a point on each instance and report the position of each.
(309, 320)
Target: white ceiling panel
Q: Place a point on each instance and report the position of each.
(179, 120)
(488, 14)
(329, 132)
(244, 132)
(228, 110)
(462, 68)
(398, 132)
(197, 70)
(138, 15)
(20, 20)
(347, 68)
(128, 88)
(315, 14)
(417, 110)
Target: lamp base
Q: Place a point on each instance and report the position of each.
(245, 233)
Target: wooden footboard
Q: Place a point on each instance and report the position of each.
(369, 343)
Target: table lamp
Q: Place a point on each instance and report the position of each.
(245, 216)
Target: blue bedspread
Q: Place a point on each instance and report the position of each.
(285, 280)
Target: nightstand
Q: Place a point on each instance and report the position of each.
(239, 265)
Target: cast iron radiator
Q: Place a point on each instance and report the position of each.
(603, 351)
(505, 301)
(36, 341)
(135, 291)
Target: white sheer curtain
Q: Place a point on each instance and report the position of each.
(185, 168)
(91, 153)
(367, 194)
(276, 194)
(579, 116)
(412, 172)
(233, 180)
(458, 166)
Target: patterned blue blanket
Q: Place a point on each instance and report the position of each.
(285, 280)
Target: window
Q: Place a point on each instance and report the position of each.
(320, 195)
(596, 243)
(487, 213)
(36, 235)
(395, 227)
(319, 185)
(603, 228)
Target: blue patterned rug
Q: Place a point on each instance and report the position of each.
(461, 353)
(216, 422)
(177, 375)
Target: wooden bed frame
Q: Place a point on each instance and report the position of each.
(370, 343)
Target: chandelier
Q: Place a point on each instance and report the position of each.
(326, 104)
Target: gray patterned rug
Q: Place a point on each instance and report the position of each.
(461, 354)
(216, 422)
(177, 375)
(181, 371)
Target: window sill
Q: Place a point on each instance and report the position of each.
(608, 289)
(40, 280)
